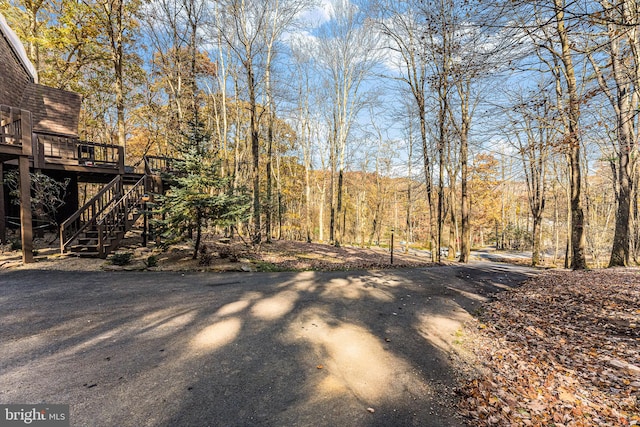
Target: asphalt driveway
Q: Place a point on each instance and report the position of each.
(246, 349)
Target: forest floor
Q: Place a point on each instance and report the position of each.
(563, 349)
(220, 254)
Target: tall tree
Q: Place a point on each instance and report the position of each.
(401, 23)
(572, 137)
(117, 19)
(199, 196)
(441, 48)
(622, 50)
(535, 132)
(280, 15)
(347, 54)
(548, 28)
(241, 24)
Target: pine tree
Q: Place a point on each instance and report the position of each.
(198, 196)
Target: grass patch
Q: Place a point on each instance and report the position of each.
(267, 267)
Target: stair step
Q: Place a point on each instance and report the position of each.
(88, 254)
(120, 220)
(84, 247)
(94, 241)
(88, 251)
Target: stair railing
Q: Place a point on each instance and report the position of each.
(90, 213)
(115, 222)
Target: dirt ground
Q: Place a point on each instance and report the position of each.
(220, 255)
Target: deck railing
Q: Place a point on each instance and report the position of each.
(80, 152)
(10, 125)
(158, 164)
(15, 128)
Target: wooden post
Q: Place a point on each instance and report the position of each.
(38, 153)
(26, 229)
(26, 133)
(101, 253)
(121, 160)
(392, 230)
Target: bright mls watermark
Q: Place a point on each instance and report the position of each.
(41, 415)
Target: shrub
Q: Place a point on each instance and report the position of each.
(205, 256)
(152, 261)
(225, 252)
(121, 258)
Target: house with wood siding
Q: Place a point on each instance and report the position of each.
(39, 132)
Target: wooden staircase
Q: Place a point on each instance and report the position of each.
(97, 228)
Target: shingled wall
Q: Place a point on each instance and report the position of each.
(54, 111)
(13, 77)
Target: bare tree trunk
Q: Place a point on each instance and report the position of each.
(408, 225)
(578, 260)
(113, 21)
(332, 210)
(340, 228)
(255, 152)
(465, 243)
(323, 197)
(307, 197)
(269, 195)
(537, 239)
(556, 229)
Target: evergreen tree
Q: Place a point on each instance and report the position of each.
(198, 196)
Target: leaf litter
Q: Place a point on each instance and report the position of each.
(561, 350)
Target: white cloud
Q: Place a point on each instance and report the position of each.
(318, 15)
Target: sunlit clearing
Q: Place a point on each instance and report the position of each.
(217, 335)
(355, 362)
(276, 306)
(233, 308)
(341, 288)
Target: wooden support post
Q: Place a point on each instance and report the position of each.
(121, 160)
(26, 229)
(26, 133)
(3, 214)
(38, 153)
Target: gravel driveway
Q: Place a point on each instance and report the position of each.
(248, 349)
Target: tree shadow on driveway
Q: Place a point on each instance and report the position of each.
(170, 349)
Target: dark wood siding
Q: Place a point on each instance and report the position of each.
(13, 77)
(54, 111)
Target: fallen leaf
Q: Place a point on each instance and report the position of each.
(560, 349)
